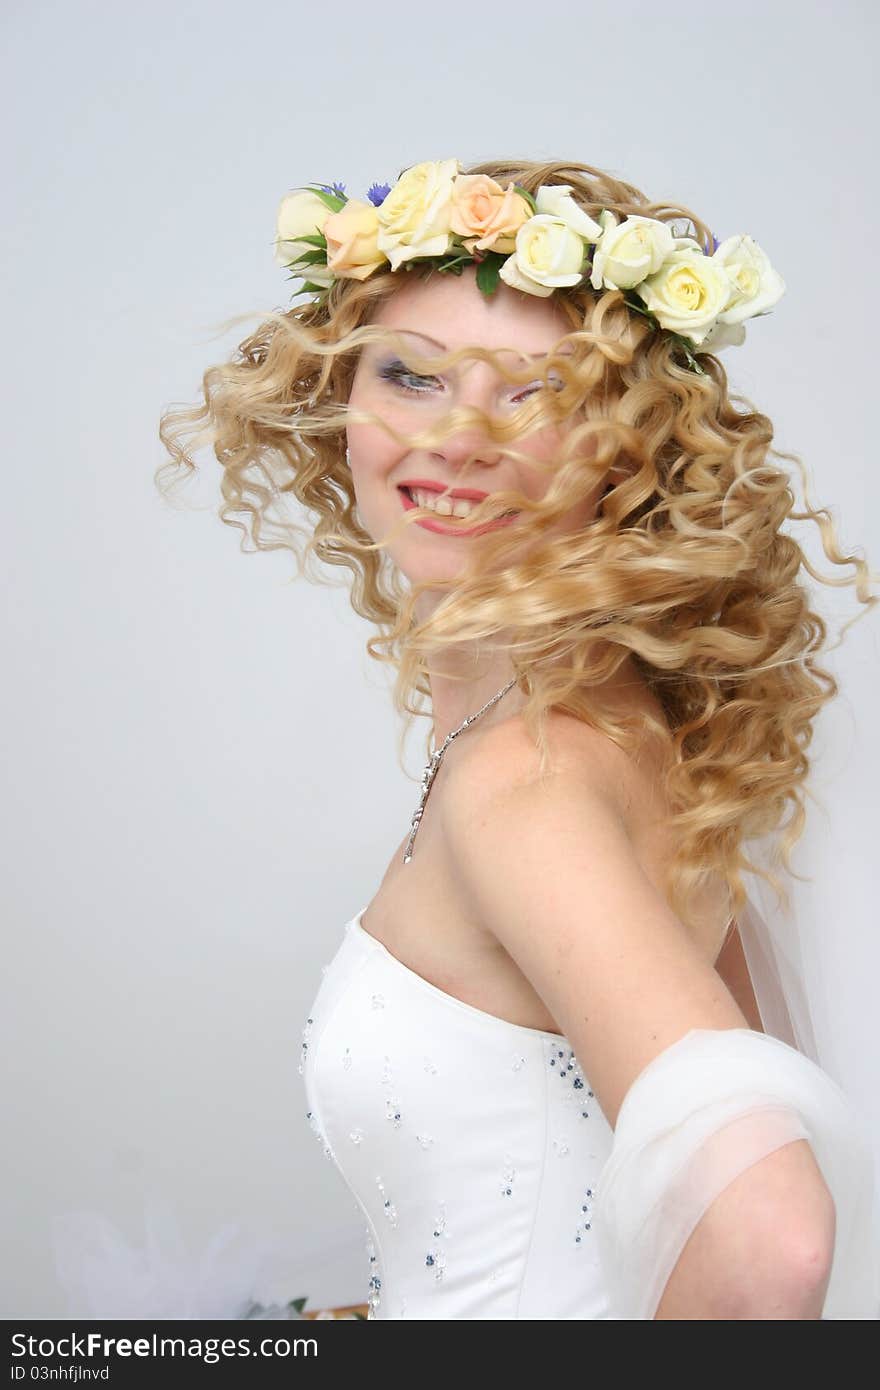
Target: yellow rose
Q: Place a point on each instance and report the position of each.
(688, 293)
(548, 255)
(629, 252)
(301, 213)
(351, 240)
(485, 215)
(414, 218)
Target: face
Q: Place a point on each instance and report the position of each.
(442, 313)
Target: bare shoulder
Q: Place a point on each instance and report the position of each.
(507, 755)
(546, 863)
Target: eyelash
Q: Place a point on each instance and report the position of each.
(396, 371)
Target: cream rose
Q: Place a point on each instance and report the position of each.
(301, 213)
(687, 294)
(755, 286)
(722, 335)
(486, 216)
(555, 199)
(351, 234)
(629, 251)
(414, 218)
(548, 255)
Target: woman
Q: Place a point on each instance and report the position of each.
(537, 1057)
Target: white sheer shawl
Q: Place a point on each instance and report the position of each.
(716, 1102)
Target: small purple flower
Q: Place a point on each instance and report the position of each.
(378, 192)
(333, 188)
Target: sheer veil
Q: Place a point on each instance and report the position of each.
(773, 951)
(716, 1102)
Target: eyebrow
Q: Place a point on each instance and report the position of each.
(414, 334)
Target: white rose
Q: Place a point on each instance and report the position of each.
(630, 251)
(414, 218)
(301, 213)
(556, 199)
(548, 255)
(722, 335)
(687, 293)
(755, 286)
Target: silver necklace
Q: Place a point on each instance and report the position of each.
(436, 759)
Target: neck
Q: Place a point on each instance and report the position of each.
(464, 679)
(459, 690)
(455, 701)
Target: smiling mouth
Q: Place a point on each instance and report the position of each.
(451, 518)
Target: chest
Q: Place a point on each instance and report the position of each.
(418, 916)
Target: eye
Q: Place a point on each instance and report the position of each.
(400, 375)
(555, 382)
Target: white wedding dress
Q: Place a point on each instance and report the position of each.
(472, 1144)
(493, 1186)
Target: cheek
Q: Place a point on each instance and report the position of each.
(371, 445)
(535, 482)
(544, 446)
(374, 457)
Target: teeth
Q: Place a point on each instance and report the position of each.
(445, 506)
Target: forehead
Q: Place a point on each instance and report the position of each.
(450, 311)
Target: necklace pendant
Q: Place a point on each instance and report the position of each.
(407, 855)
(427, 782)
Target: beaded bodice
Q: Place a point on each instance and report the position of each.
(472, 1145)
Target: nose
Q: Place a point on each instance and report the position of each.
(476, 389)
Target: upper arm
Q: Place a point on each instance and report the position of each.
(548, 867)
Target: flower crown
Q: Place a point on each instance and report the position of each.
(436, 214)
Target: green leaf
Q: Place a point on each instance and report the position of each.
(313, 239)
(451, 261)
(488, 272)
(528, 197)
(331, 200)
(308, 288)
(316, 257)
(635, 302)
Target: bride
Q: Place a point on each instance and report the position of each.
(560, 1058)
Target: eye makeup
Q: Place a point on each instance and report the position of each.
(396, 372)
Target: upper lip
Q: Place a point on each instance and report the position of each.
(468, 494)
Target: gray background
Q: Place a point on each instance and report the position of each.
(201, 785)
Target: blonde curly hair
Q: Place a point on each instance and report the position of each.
(686, 567)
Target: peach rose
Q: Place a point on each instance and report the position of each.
(351, 233)
(487, 216)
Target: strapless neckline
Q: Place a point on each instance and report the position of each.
(493, 1020)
